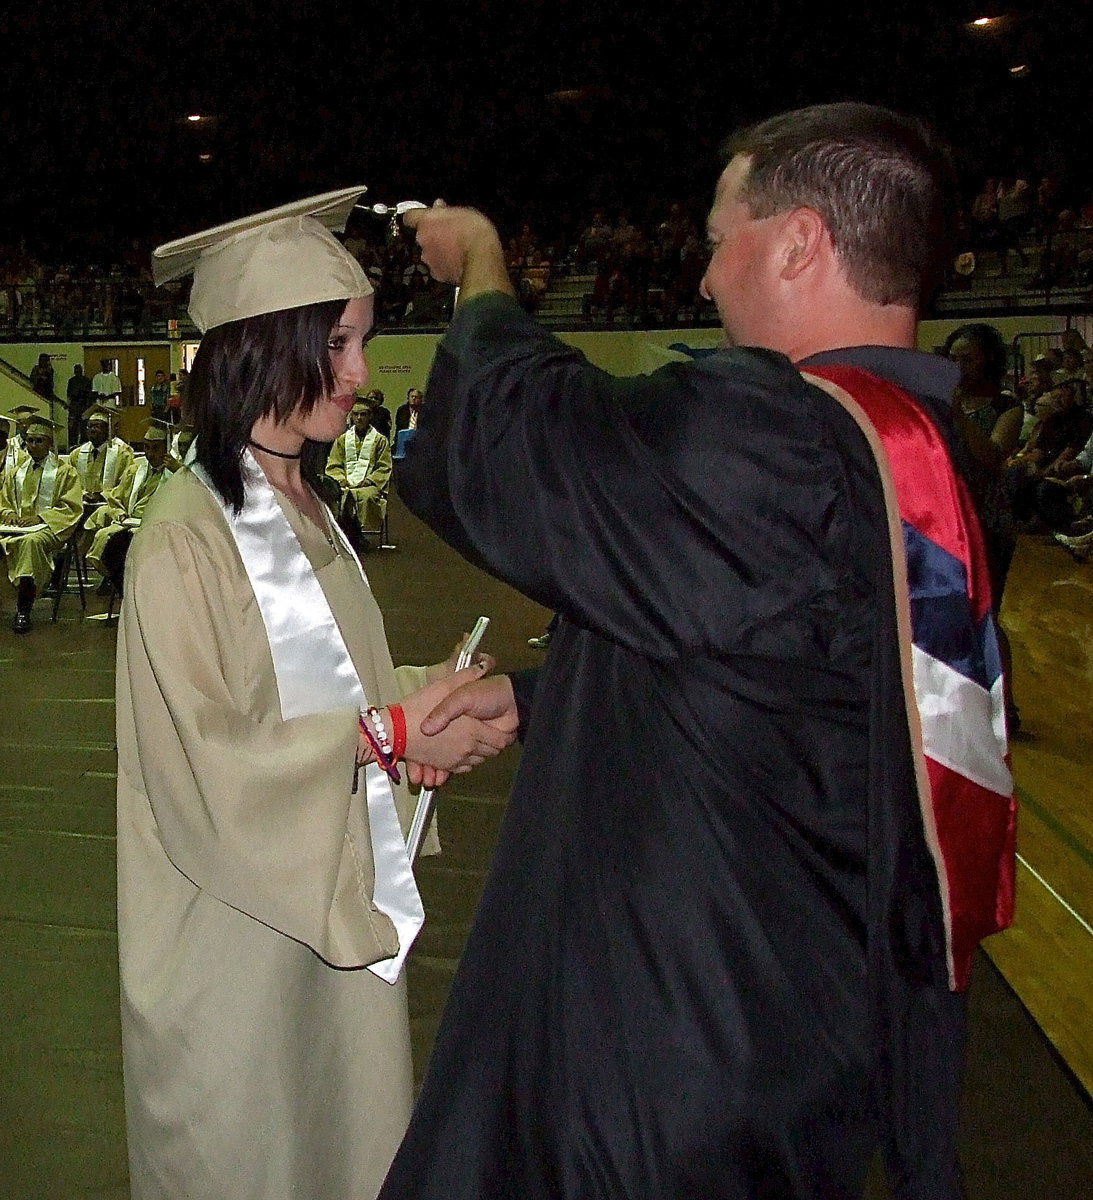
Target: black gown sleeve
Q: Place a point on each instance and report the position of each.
(523, 691)
(694, 510)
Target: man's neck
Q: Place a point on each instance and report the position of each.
(890, 325)
(825, 312)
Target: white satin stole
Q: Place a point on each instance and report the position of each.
(46, 483)
(315, 674)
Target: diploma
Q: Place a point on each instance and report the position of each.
(425, 803)
(16, 530)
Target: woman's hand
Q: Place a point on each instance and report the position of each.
(445, 669)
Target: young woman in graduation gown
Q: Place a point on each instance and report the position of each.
(266, 902)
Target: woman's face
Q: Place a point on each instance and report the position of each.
(326, 421)
(970, 359)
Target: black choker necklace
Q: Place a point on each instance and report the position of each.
(267, 450)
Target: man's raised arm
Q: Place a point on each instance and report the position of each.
(461, 246)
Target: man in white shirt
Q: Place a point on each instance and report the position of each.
(407, 415)
(106, 385)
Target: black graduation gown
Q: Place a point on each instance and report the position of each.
(711, 901)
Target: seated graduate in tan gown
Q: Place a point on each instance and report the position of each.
(43, 496)
(111, 525)
(266, 903)
(360, 464)
(11, 447)
(103, 459)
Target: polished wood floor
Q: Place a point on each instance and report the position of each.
(1028, 1125)
(1048, 954)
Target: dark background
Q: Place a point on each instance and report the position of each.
(523, 107)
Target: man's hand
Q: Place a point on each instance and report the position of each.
(461, 742)
(489, 699)
(460, 246)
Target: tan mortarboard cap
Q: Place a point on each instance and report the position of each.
(40, 424)
(100, 412)
(283, 258)
(156, 431)
(21, 411)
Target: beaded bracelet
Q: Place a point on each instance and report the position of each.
(380, 743)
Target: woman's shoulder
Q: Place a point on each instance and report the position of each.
(183, 500)
(183, 512)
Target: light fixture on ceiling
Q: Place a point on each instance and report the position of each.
(987, 24)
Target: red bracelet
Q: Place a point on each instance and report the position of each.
(398, 731)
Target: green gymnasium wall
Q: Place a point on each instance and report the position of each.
(398, 362)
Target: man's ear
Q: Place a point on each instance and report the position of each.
(805, 237)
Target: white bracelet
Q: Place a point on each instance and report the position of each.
(381, 732)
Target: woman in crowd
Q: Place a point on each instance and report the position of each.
(41, 377)
(988, 421)
(266, 902)
(988, 418)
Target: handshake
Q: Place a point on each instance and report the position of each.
(457, 721)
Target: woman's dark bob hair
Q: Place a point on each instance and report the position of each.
(261, 366)
(990, 344)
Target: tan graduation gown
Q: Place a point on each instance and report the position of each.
(262, 1062)
(94, 464)
(119, 503)
(11, 459)
(31, 555)
(362, 469)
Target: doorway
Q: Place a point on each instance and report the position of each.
(136, 367)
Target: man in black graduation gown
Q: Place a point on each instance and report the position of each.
(710, 958)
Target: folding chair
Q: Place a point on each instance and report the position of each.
(402, 442)
(383, 532)
(70, 559)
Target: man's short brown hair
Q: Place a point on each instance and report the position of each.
(881, 182)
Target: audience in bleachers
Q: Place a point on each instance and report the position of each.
(642, 268)
(1047, 228)
(1062, 429)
